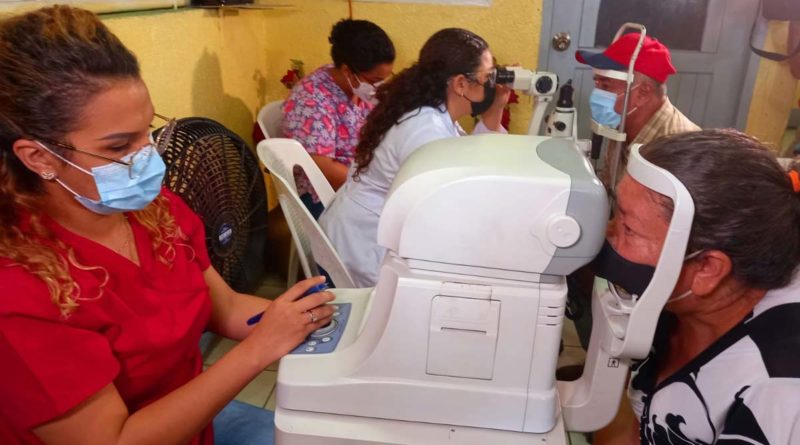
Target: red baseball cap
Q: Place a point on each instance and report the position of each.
(653, 61)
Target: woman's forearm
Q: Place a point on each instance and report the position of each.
(334, 171)
(183, 413)
(231, 320)
(175, 418)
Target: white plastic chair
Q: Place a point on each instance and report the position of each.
(269, 119)
(280, 156)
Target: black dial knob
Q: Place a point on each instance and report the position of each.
(544, 85)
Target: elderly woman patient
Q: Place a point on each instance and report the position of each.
(725, 363)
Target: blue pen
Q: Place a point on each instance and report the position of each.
(312, 290)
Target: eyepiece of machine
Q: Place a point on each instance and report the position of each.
(504, 76)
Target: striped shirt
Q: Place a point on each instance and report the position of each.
(744, 389)
(667, 120)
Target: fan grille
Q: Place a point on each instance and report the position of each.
(218, 176)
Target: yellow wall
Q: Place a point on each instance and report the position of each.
(772, 94)
(200, 63)
(226, 65)
(797, 96)
(510, 26)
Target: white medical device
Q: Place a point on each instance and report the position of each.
(563, 120)
(541, 85)
(458, 342)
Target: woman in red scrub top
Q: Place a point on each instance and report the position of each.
(105, 283)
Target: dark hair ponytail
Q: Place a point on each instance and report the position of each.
(447, 53)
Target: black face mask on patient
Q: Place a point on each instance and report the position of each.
(633, 277)
(479, 108)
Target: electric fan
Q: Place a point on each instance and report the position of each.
(218, 176)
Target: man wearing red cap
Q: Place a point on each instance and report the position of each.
(650, 113)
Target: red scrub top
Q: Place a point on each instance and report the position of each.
(142, 334)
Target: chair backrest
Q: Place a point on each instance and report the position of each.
(314, 248)
(269, 119)
(286, 154)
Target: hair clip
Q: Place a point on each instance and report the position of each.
(795, 177)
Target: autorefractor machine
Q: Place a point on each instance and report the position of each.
(458, 342)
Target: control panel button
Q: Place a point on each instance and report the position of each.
(325, 330)
(326, 339)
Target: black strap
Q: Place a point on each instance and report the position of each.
(778, 57)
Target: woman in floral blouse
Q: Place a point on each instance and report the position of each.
(326, 109)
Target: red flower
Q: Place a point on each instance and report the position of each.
(290, 78)
(505, 120)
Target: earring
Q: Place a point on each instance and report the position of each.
(47, 176)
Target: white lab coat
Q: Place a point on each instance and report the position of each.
(351, 220)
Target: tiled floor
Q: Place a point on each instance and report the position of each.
(261, 391)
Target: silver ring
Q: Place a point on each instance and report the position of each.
(313, 316)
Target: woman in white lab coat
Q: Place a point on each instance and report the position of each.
(453, 78)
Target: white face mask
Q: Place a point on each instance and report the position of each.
(680, 297)
(688, 292)
(363, 91)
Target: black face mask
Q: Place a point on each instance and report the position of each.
(633, 277)
(479, 108)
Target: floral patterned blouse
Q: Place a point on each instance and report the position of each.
(320, 116)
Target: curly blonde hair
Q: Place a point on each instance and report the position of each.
(52, 62)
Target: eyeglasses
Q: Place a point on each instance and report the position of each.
(374, 84)
(161, 143)
(491, 77)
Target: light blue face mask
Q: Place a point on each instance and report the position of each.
(122, 188)
(602, 103)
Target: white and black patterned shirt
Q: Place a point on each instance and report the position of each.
(744, 389)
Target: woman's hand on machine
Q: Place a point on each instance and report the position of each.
(290, 319)
(492, 117)
(501, 96)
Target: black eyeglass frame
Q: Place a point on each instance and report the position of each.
(491, 77)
